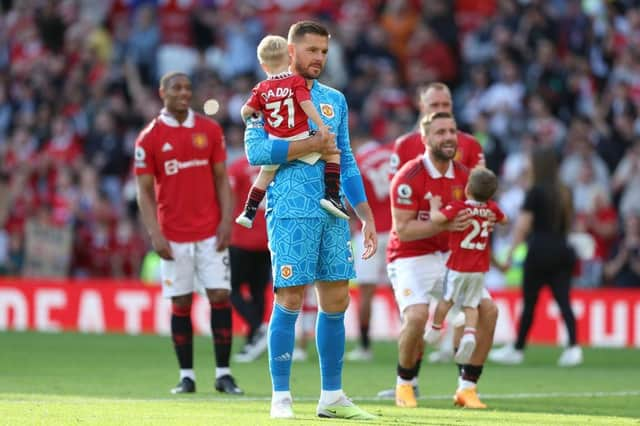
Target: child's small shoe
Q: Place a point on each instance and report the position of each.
(433, 336)
(335, 207)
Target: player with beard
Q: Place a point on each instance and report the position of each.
(418, 250)
(436, 97)
(308, 245)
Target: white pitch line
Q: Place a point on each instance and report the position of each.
(483, 395)
(200, 398)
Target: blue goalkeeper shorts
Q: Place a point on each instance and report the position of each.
(310, 249)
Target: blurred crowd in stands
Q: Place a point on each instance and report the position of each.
(78, 80)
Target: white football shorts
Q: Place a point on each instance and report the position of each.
(417, 280)
(464, 289)
(196, 266)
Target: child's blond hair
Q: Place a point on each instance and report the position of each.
(272, 51)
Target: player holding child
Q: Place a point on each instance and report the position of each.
(285, 102)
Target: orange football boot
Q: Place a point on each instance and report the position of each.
(405, 397)
(468, 398)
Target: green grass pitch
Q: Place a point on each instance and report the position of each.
(70, 379)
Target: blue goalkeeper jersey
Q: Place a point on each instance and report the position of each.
(298, 186)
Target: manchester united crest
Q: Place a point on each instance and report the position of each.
(327, 110)
(200, 140)
(458, 193)
(286, 271)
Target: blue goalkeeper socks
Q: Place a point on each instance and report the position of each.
(282, 334)
(330, 344)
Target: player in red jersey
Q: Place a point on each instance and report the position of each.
(435, 97)
(417, 252)
(177, 153)
(285, 101)
(469, 259)
(373, 161)
(250, 264)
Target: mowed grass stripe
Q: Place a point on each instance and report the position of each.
(26, 398)
(41, 372)
(96, 411)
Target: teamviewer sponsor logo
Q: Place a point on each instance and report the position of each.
(171, 167)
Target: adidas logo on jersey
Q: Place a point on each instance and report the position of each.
(166, 147)
(284, 357)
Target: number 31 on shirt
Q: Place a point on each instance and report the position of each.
(275, 118)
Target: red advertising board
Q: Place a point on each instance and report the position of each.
(606, 317)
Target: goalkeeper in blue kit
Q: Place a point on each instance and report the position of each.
(308, 245)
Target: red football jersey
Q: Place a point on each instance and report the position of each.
(373, 161)
(174, 18)
(278, 99)
(241, 176)
(470, 248)
(181, 159)
(412, 189)
(409, 146)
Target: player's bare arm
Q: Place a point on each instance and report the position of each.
(434, 214)
(437, 217)
(410, 228)
(147, 205)
(225, 201)
(460, 222)
(368, 229)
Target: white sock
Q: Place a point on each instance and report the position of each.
(401, 381)
(465, 384)
(187, 372)
(224, 371)
(328, 397)
(470, 331)
(280, 395)
(414, 381)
